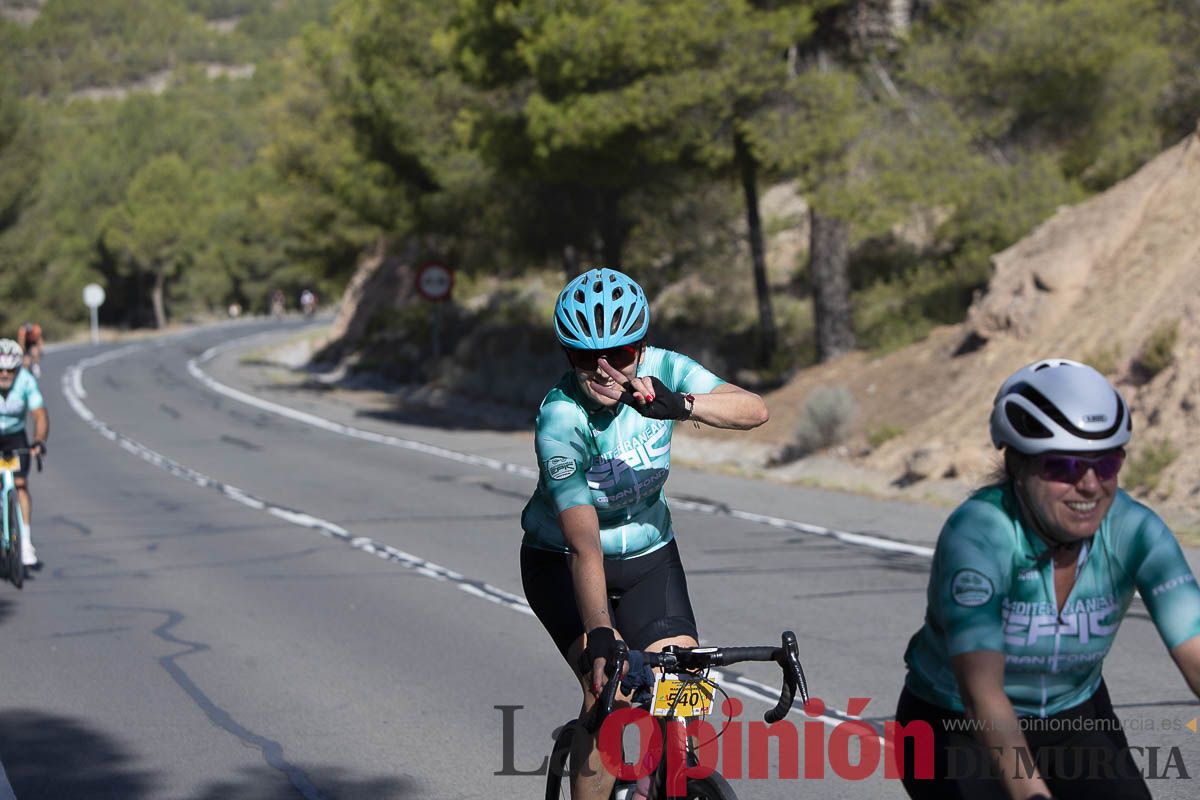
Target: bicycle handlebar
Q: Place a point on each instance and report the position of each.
(25, 451)
(695, 659)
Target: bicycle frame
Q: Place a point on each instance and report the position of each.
(8, 494)
(659, 778)
(11, 556)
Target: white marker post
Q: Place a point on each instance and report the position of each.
(93, 298)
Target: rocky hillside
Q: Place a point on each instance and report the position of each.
(1114, 282)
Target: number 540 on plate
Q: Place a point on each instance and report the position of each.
(679, 697)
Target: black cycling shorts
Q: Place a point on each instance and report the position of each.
(16, 441)
(651, 596)
(1081, 752)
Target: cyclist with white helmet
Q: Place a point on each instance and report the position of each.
(598, 523)
(1031, 578)
(19, 398)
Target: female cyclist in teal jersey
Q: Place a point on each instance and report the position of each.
(21, 398)
(1031, 578)
(598, 524)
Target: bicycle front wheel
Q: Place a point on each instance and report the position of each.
(714, 787)
(16, 567)
(558, 779)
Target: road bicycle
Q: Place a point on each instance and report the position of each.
(11, 565)
(681, 690)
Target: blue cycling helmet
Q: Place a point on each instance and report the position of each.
(602, 308)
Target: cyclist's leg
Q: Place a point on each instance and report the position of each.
(961, 767)
(550, 590)
(28, 554)
(656, 609)
(1087, 753)
(592, 780)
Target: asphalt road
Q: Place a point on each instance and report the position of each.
(241, 601)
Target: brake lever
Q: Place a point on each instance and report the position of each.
(608, 694)
(793, 679)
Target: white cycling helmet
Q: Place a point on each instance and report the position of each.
(11, 354)
(1058, 404)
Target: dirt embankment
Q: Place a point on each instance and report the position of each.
(1093, 283)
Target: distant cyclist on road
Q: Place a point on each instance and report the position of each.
(598, 522)
(308, 302)
(29, 337)
(277, 304)
(20, 397)
(1031, 578)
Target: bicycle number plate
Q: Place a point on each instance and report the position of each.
(12, 464)
(695, 697)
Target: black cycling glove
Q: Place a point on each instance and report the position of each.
(665, 405)
(601, 643)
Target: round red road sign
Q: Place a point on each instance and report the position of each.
(434, 281)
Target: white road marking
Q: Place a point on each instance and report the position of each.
(193, 365)
(72, 378)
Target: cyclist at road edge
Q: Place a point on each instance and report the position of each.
(1031, 578)
(19, 398)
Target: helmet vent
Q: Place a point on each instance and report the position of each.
(598, 287)
(617, 292)
(638, 321)
(616, 321)
(598, 314)
(579, 295)
(582, 320)
(1024, 423)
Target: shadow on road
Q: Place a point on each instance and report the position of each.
(50, 757)
(331, 782)
(7, 605)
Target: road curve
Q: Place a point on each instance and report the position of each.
(238, 603)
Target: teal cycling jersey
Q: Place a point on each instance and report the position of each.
(22, 397)
(992, 589)
(613, 459)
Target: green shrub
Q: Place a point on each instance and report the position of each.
(1158, 350)
(884, 433)
(1144, 470)
(828, 412)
